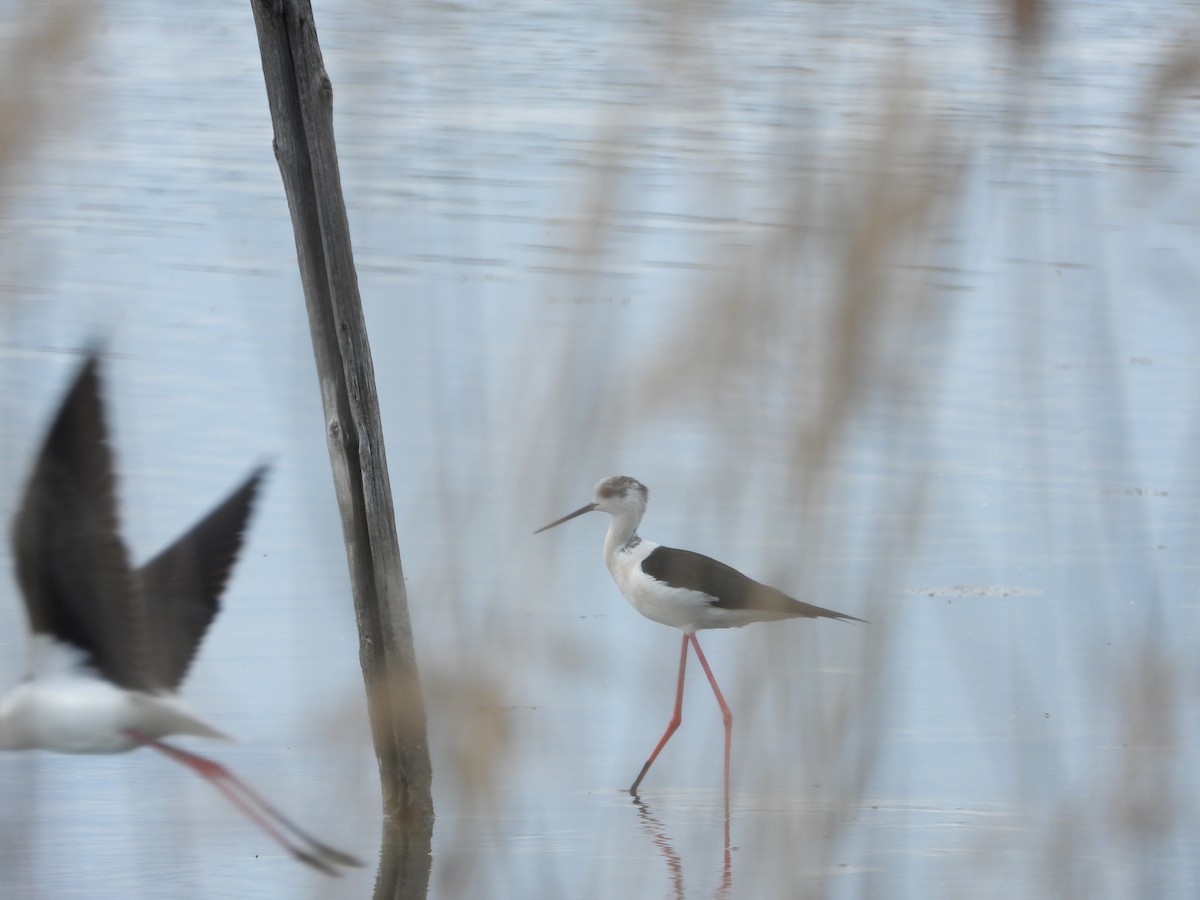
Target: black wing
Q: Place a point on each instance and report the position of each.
(71, 564)
(729, 587)
(181, 587)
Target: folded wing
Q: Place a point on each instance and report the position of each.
(728, 587)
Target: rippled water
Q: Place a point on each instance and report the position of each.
(543, 199)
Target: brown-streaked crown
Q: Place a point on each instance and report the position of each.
(620, 485)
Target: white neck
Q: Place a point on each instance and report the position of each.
(621, 530)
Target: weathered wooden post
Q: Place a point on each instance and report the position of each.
(301, 101)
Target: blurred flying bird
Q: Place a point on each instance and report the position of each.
(111, 644)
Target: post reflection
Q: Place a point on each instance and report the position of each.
(405, 860)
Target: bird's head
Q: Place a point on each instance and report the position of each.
(618, 495)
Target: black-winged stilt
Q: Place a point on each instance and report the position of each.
(682, 589)
(111, 644)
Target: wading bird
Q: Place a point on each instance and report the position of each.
(111, 644)
(682, 589)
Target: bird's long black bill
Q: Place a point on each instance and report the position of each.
(567, 518)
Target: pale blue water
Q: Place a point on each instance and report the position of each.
(1051, 435)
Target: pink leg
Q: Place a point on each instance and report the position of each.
(725, 713)
(676, 718)
(254, 807)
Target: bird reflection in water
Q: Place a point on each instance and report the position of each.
(654, 827)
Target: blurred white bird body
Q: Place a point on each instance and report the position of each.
(67, 708)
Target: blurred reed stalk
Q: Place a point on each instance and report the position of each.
(830, 313)
(39, 49)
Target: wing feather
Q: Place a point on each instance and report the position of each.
(728, 587)
(182, 585)
(72, 567)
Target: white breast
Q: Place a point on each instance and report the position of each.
(676, 607)
(90, 716)
(76, 716)
(68, 708)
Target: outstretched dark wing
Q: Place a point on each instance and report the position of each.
(71, 564)
(181, 587)
(728, 587)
